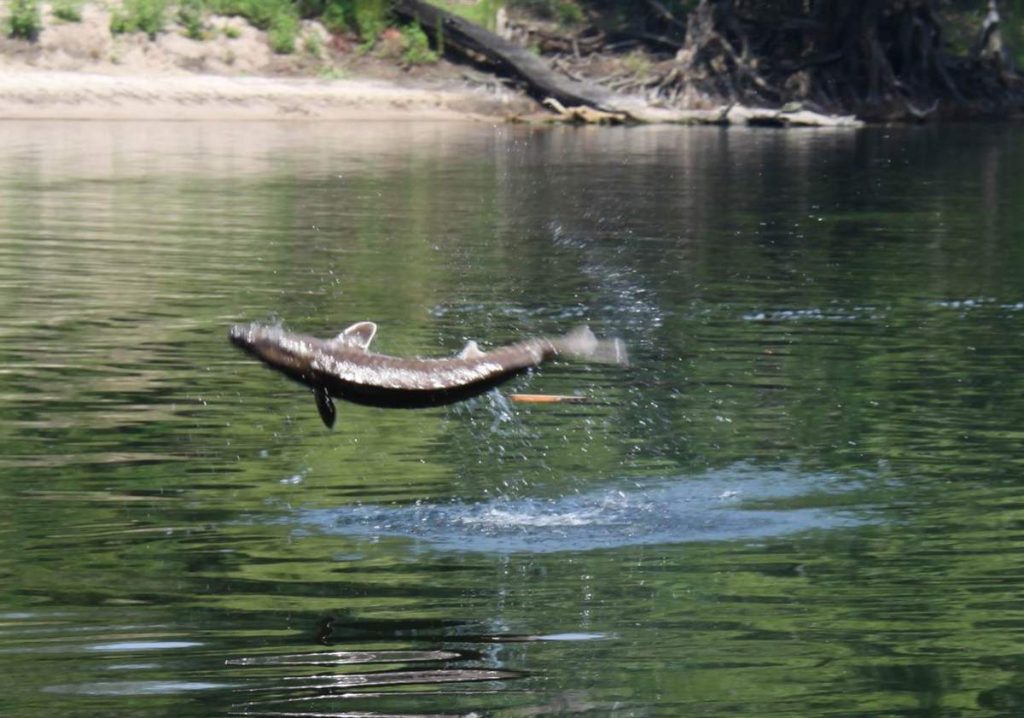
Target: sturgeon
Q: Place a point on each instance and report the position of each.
(343, 367)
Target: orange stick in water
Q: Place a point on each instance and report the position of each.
(547, 399)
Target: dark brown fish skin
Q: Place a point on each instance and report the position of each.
(351, 373)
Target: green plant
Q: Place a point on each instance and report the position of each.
(280, 18)
(569, 13)
(564, 11)
(415, 48)
(312, 44)
(371, 17)
(408, 45)
(332, 73)
(481, 12)
(261, 13)
(336, 15)
(281, 33)
(637, 63)
(68, 10)
(366, 17)
(231, 32)
(190, 15)
(24, 20)
(148, 16)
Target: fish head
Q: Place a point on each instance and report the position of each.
(289, 353)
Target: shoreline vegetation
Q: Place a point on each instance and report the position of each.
(778, 63)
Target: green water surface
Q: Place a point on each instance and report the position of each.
(803, 498)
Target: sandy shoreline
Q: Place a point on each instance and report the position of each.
(48, 94)
(82, 70)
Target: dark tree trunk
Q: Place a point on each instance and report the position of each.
(452, 31)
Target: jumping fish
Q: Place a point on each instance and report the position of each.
(344, 368)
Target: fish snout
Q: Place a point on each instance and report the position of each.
(249, 337)
(240, 335)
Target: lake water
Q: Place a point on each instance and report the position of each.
(803, 498)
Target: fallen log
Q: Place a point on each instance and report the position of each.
(786, 117)
(448, 30)
(640, 112)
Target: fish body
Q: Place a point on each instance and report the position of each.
(343, 367)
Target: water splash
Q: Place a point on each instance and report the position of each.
(740, 503)
(830, 314)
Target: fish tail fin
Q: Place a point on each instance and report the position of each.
(581, 344)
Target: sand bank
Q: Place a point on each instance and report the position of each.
(49, 94)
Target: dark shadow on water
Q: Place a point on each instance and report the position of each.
(738, 503)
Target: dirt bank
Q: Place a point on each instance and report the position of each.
(82, 70)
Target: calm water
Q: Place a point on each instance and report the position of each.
(802, 499)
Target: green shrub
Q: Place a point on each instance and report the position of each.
(415, 48)
(637, 63)
(261, 13)
(371, 17)
(231, 32)
(148, 16)
(366, 17)
(190, 15)
(570, 13)
(407, 45)
(68, 10)
(279, 18)
(281, 33)
(332, 73)
(336, 15)
(564, 11)
(481, 12)
(24, 21)
(312, 44)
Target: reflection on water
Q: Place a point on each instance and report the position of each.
(133, 688)
(801, 499)
(713, 507)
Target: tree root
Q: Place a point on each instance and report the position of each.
(882, 59)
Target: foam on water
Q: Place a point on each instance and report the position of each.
(739, 503)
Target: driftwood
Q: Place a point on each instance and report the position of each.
(739, 115)
(724, 116)
(583, 115)
(549, 399)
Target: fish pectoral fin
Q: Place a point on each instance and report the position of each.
(359, 334)
(325, 405)
(470, 351)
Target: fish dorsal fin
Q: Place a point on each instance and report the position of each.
(470, 351)
(359, 335)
